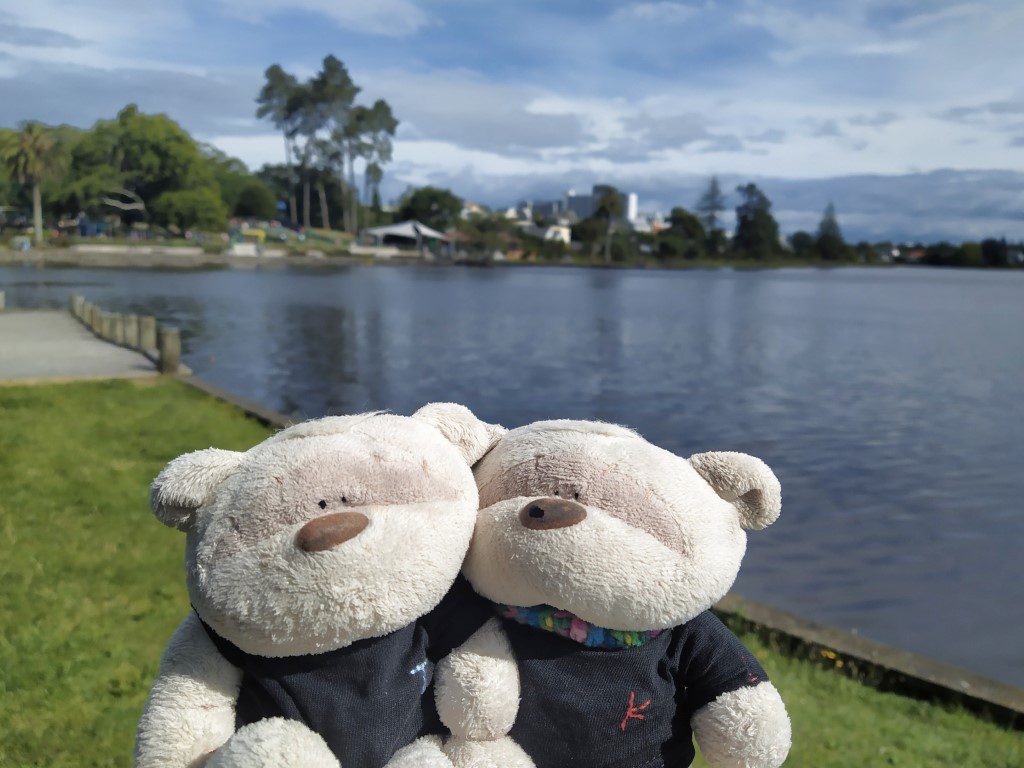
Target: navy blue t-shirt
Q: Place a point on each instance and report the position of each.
(594, 708)
(369, 699)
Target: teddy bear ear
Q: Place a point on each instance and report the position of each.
(745, 482)
(187, 483)
(462, 429)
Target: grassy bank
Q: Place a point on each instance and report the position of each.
(93, 588)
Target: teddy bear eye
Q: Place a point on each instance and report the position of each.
(576, 495)
(322, 504)
(344, 499)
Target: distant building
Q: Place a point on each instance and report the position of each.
(469, 210)
(575, 206)
(548, 209)
(632, 203)
(648, 222)
(554, 233)
(580, 205)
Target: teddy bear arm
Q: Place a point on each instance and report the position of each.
(477, 686)
(745, 728)
(190, 711)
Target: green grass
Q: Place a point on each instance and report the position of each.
(838, 721)
(92, 583)
(93, 587)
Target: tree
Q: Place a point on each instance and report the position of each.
(995, 253)
(684, 224)
(371, 178)
(191, 209)
(28, 156)
(803, 244)
(711, 205)
(435, 207)
(609, 208)
(255, 200)
(379, 126)
(140, 158)
(757, 232)
(333, 93)
(830, 243)
(325, 105)
(685, 237)
(230, 174)
(277, 102)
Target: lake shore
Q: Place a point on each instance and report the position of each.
(170, 258)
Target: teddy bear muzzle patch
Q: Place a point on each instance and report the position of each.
(331, 530)
(546, 514)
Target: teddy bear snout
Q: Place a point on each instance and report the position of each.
(546, 514)
(330, 530)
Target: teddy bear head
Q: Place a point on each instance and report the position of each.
(592, 519)
(330, 531)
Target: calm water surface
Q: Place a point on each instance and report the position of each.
(890, 402)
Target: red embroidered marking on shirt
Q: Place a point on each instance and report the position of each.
(753, 678)
(633, 712)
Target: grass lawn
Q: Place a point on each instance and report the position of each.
(93, 587)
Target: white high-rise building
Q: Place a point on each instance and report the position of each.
(631, 207)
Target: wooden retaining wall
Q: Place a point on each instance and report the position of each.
(160, 343)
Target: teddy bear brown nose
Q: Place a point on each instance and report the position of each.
(330, 530)
(545, 514)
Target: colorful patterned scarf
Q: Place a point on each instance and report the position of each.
(563, 623)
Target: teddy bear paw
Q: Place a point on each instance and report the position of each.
(422, 753)
(274, 743)
(499, 753)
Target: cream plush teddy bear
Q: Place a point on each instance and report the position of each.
(603, 554)
(316, 563)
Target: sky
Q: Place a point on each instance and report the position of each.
(908, 114)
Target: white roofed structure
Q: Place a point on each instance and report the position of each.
(405, 230)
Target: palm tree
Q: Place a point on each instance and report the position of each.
(29, 158)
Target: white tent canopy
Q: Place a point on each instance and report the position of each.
(411, 230)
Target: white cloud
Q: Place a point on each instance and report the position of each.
(804, 33)
(254, 150)
(380, 17)
(106, 34)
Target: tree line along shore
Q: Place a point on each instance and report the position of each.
(142, 177)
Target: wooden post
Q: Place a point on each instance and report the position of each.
(107, 325)
(73, 304)
(147, 332)
(131, 331)
(170, 349)
(92, 319)
(3, 300)
(117, 328)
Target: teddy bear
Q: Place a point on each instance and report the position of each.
(602, 554)
(323, 570)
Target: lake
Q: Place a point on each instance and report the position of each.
(890, 402)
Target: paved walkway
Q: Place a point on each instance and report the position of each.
(54, 345)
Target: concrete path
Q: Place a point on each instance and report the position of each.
(40, 346)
